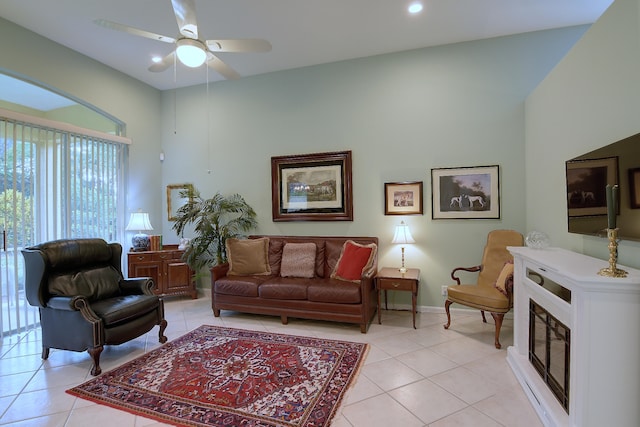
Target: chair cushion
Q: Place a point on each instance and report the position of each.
(298, 260)
(124, 308)
(354, 259)
(480, 297)
(94, 284)
(248, 256)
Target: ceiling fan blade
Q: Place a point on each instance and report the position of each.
(185, 11)
(239, 45)
(166, 62)
(135, 31)
(220, 67)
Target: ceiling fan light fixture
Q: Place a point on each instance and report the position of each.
(191, 52)
(415, 7)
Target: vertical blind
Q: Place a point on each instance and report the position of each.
(56, 181)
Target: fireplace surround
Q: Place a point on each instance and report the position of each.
(590, 324)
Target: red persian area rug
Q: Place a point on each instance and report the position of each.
(216, 376)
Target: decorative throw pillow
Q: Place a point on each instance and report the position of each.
(504, 283)
(354, 259)
(248, 256)
(298, 260)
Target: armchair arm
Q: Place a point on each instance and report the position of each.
(82, 304)
(61, 303)
(137, 286)
(473, 269)
(76, 303)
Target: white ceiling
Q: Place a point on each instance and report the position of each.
(302, 32)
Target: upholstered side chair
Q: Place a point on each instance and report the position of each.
(492, 291)
(85, 302)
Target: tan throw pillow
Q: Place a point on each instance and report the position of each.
(298, 260)
(354, 260)
(248, 256)
(504, 283)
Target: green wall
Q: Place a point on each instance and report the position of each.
(591, 99)
(400, 114)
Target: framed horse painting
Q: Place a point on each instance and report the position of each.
(465, 193)
(586, 183)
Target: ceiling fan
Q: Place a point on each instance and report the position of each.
(190, 49)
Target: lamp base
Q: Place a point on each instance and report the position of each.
(402, 270)
(140, 242)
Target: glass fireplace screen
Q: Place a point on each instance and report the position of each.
(549, 345)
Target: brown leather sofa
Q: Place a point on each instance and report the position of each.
(84, 301)
(319, 297)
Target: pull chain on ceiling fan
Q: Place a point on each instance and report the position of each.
(190, 49)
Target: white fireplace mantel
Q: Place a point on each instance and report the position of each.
(604, 319)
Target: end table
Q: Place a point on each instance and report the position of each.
(392, 279)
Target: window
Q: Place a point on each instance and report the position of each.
(56, 181)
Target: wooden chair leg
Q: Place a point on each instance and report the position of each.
(498, 317)
(95, 355)
(447, 304)
(161, 337)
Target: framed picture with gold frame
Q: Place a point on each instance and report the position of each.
(175, 198)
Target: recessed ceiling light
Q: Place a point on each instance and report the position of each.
(415, 7)
(156, 59)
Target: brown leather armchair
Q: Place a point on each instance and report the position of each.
(84, 301)
(483, 295)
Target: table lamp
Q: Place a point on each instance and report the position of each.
(402, 236)
(139, 221)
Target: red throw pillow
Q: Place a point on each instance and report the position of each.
(354, 259)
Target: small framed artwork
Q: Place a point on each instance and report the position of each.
(634, 188)
(465, 193)
(586, 185)
(312, 187)
(175, 200)
(403, 198)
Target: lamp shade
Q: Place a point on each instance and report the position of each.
(402, 234)
(139, 221)
(191, 52)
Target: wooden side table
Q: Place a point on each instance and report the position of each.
(392, 279)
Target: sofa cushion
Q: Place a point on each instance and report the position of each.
(354, 259)
(335, 291)
(298, 260)
(94, 284)
(248, 256)
(276, 244)
(284, 288)
(275, 255)
(245, 286)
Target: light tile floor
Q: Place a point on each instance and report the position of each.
(412, 377)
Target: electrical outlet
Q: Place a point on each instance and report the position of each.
(443, 290)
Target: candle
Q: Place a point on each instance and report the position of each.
(614, 204)
(611, 219)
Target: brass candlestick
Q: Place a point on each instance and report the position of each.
(612, 270)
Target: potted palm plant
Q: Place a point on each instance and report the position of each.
(214, 220)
